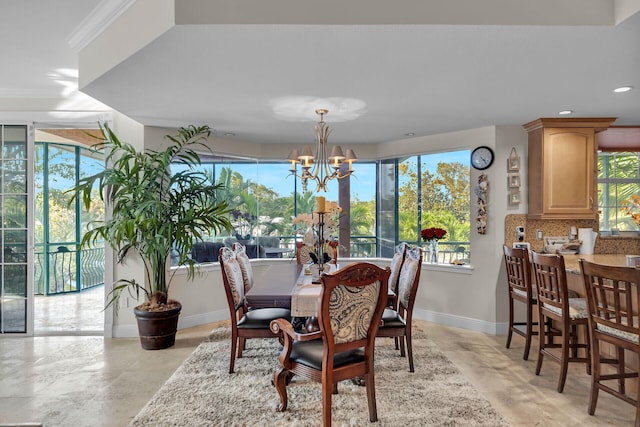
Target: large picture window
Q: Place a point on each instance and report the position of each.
(430, 190)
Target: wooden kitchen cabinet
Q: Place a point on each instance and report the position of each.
(562, 167)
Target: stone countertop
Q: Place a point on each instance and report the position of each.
(615, 260)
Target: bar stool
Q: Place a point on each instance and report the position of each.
(612, 301)
(564, 315)
(518, 267)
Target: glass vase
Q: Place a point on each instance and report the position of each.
(433, 251)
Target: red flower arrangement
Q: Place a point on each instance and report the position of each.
(433, 233)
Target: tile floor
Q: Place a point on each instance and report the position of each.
(94, 382)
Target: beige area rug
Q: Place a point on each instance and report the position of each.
(202, 393)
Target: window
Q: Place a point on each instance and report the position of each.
(386, 201)
(440, 198)
(618, 180)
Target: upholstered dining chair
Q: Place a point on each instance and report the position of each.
(563, 313)
(244, 323)
(351, 304)
(522, 290)
(612, 302)
(245, 265)
(397, 323)
(302, 253)
(395, 266)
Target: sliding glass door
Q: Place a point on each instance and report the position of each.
(16, 171)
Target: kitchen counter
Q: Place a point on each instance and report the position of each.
(615, 260)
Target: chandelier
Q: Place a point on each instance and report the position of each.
(321, 168)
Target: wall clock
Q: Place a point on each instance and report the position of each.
(482, 157)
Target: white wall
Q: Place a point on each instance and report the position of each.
(472, 297)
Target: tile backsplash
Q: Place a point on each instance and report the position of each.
(604, 244)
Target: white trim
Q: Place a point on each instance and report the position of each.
(100, 18)
(491, 328)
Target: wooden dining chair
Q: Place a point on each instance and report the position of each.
(244, 323)
(395, 266)
(302, 253)
(563, 313)
(521, 289)
(351, 304)
(397, 323)
(245, 265)
(612, 303)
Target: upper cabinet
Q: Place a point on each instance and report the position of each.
(562, 167)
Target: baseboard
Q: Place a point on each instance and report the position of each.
(131, 330)
(461, 322)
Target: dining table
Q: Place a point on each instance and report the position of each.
(287, 285)
(291, 285)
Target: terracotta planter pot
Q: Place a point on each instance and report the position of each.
(157, 329)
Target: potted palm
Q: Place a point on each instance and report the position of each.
(152, 213)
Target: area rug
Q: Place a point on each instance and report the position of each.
(202, 393)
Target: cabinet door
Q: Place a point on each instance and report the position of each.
(569, 172)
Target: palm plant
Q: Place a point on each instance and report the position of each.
(152, 210)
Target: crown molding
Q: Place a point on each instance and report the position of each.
(100, 18)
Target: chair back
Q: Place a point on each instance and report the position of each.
(518, 266)
(396, 265)
(551, 282)
(232, 280)
(245, 265)
(302, 253)
(351, 305)
(612, 299)
(408, 280)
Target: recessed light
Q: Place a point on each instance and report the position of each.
(623, 89)
(229, 134)
(409, 134)
(565, 112)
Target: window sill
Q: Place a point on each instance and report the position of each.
(448, 268)
(606, 235)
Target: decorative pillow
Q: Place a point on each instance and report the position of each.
(245, 266)
(351, 310)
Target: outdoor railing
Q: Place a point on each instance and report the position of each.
(57, 272)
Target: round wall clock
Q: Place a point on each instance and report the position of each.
(482, 157)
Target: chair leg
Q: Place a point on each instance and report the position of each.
(564, 359)
(510, 332)
(528, 332)
(588, 347)
(280, 379)
(234, 341)
(402, 352)
(621, 369)
(409, 349)
(327, 390)
(241, 343)
(595, 376)
(542, 336)
(371, 397)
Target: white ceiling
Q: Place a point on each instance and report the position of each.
(251, 80)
